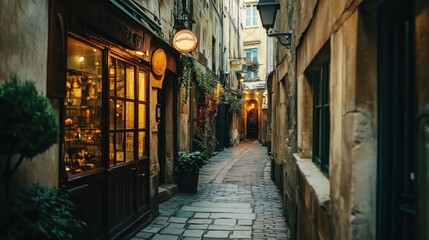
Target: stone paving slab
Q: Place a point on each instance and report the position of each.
(221, 227)
(198, 226)
(216, 210)
(241, 234)
(202, 215)
(225, 222)
(216, 234)
(178, 220)
(165, 237)
(193, 233)
(236, 199)
(172, 231)
(221, 205)
(200, 221)
(249, 216)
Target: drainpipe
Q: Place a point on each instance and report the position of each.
(222, 54)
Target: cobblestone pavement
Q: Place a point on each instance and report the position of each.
(236, 199)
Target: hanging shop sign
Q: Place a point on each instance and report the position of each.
(185, 41)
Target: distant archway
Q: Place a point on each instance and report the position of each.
(252, 119)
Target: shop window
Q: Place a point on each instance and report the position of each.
(127, 109)
(321, 125)
(83, 104)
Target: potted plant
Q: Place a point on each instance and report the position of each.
(188, 168)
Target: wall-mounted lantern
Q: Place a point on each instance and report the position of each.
(268, 11)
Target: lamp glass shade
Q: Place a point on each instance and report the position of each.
(268, 11)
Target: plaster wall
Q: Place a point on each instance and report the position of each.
(23, 48)
(208, 27)
(154, 164)
(183, 134)
(169, 130)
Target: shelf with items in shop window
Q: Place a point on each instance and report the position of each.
(82, 124)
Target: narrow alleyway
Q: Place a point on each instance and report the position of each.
(236, 199)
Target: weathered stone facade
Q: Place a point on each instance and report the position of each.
(340, 203)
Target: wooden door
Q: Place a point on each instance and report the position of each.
(252, 120)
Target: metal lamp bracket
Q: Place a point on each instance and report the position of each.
(283, 38)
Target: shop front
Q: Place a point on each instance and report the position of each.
(101, 69)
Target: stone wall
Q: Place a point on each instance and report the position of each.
(352, 119)
(313, 202)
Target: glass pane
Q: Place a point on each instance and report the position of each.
(120, 79)
(112, 110)
(130, 82)
(130, 115)
(129, 147)
(82, 117)
(142, 140)
(255, 15)
(111, 149)
(112, 77)
(119, 114)
(142, 86)
(119, 147)
(142, 116)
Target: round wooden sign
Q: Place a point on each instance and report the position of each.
(159, 62)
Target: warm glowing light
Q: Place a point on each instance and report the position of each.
(81, 59)
(140, 53)
(95, 50)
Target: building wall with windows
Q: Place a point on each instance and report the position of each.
(254, 42)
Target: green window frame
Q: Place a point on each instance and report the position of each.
(321, 121)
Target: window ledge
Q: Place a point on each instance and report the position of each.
(315, 179)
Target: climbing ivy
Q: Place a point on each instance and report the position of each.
(185, 68)
(207, 82)
(236, 106)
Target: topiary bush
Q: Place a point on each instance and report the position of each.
(41, 213)
(28, 124)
